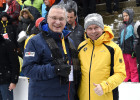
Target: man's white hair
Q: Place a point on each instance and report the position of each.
(58, 7)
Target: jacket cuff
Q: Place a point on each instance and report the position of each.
(105, 87)
(14, 80)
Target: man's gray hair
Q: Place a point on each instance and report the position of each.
(59, 6)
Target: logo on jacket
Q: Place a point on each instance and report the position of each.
(29, 54)
(85, 49)
(102, 50)
(120, 60)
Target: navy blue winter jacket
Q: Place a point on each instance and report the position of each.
(44, 84)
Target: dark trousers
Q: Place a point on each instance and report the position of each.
(138, 2)
(89, 6)
(109, 7)
(5, 94)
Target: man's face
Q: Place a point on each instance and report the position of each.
(125, 16)
(4, 18)
(71, 18)
(47, 3)
(56, 20)
(94, 32)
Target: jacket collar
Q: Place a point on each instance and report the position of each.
(44, 27)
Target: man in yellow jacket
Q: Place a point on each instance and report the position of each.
(102, 63)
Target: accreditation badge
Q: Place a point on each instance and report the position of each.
(71, 74)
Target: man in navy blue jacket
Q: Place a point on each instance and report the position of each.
(50, 60)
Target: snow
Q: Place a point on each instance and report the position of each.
(127, 90)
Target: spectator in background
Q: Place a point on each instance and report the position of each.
(26, 23)
(127, 42)
(102, 64)
(47, 5)
(47, 60)
(2, 5)
(9, 69)
(89, 6)
(34, 6)
(77, 31)
(35, 30)
(138, 3)
(109, 7)
(137, 34)
(13, 11)
(6, 28)
(69, 4)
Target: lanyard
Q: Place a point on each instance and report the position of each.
(64, 49)
(64, 46)
(4, 26)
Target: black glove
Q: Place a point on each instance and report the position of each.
(63, 70)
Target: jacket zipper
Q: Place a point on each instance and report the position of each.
(90, 70)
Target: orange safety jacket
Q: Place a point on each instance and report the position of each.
(2, 2)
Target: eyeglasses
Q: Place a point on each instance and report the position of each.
(55, 18)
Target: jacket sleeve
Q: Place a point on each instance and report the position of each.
(119, 72)
(14, 62)
(32, 67)
(135, 41)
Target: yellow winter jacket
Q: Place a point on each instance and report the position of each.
(95, 60)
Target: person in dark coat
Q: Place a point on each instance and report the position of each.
(137, 34)
(89, 6)
(138, 3)
(13, 11)
(48, 59)
(69, 4)
(9, 69)
(109, 7)
(6, 28)
(26, 23)
(77, 31)
(34, 6)
(127, 41)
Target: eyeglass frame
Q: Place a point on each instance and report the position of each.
(55, 18)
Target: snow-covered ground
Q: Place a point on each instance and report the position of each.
(127, 90)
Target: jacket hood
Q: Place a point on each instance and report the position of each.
(105, 37)
(43, 26)
(28, 12)
(4, 14)
(108, 33)
(130, 12)
(51, 2)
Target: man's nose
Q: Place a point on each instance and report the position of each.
(58, 21)
(93, 30)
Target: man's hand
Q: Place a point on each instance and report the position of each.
(12, 86)
(63, 70)
(98, 89)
